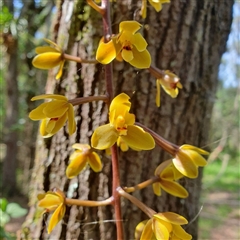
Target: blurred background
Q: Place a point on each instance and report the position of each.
(22, 29)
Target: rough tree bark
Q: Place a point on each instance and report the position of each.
(187, 37)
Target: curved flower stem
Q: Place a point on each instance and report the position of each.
(79, 101)
(96, 7)
(157, 73)
(136, 202)
(78, 59)
(160, 141)
(141, 185)
(88, 203)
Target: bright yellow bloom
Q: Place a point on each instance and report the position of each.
(163, 226)
(53, 201)
(188, 159)
(157, 4)
(53, 114)
(121, 128)
(170, 83)
(167, 174)
(49, 57)
(79, 159)
(127, 45)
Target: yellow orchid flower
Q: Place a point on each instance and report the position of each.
(167, 174)
(162, 226)
(53, 114)
(127, 45)
(121, 126)
(157, 4)
(187, 160)
(170, 83)
(49, 57)
(53, 201)
(79, 159)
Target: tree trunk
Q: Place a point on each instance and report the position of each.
(187, 37)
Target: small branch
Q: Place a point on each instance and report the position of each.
(79, 101)
(88, 203)
(99, 9)
(141, 185)
(78, 59)
(136, 202)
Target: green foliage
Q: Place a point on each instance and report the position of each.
(8, 211)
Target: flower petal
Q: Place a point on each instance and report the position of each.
(47, 60)
(59, 124)
(171, 217)
(199, 150)
(181, 233)
(174, 188)
(185, 165)
(106, 52)
(56, 217)
(131, 26)
(127, 55)
(95, 162)
(71, 120)
(45, 49)
(137, 138)
(37, 113)
(77, 164)
(161, 229)
(50, 201)
(60, 70)
(157, 188)
(52, 96)
(56, 108)
(81, 147)
(147, 232)
(157, 5)
(140, 59)
(119, 106)
(197, 158)
(139, 42)
(104, 137)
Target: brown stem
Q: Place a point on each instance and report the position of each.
(107, 31)
(160, 141)
(78, 59)
(79, 101)
(141, 185)
(138, 203)
(88, 203)
(157, 73)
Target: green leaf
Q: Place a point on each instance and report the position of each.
(15, 210)
(3, 204)
(5, 218)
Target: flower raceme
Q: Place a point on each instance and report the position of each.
(53, 114)
(162, 226)
(167, 174)
(79, 159)
(170, 83)
(53, 201)
(121, 128)
(49, 57)
(157, 4)
(127, 45)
